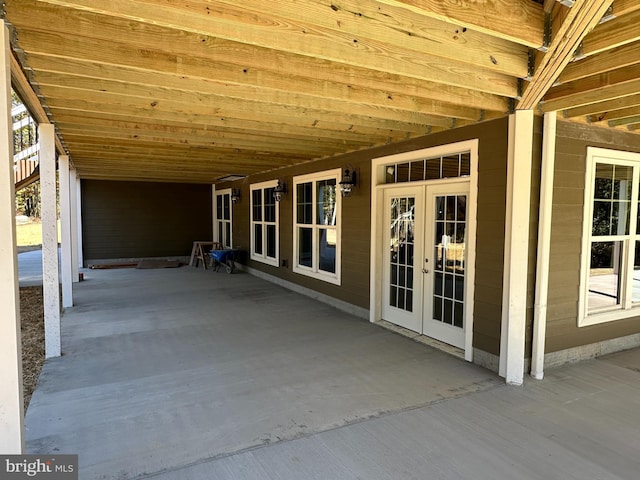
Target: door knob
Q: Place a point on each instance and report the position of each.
(424, 270)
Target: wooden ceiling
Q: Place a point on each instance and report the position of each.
(193, 90)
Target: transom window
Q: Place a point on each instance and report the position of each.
(317, 226)
(223, 218)
(264, 224)
(611, 240)
(434, 168)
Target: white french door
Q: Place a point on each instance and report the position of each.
(425, 271)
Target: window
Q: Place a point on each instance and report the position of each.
(223, 218)
(431, 168)
(317, 226)
(611, 237)
(264, 224)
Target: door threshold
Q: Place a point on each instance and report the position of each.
(431, 342)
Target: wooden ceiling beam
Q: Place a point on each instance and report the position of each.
(602, 108)
(210, 139)
(333, 31)
(621, 113)
(579, 22)
(620, 57)
(607, 86)
(53, 31)
(178, 131)
(356, 136)
(78, 134)
(352, 85)
(614, 33)
(520, 21)
(248, 96)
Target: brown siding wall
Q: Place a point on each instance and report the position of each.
(141, 219)
(356, 226)
(566, 237)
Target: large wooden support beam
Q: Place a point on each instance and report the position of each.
(23, 88)
(65, 231)
(50, 277)
(583, 16)
(516, 260)
(11, 409)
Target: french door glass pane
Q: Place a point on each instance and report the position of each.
(449, 254)
(227, 238)
(604, 274)
(401, 253)
(327, 250)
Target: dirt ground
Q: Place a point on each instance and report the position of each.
(32, 319)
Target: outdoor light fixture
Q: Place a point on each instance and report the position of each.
(348, 181)
(235, 195)
(279, 191)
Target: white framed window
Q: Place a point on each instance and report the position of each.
(317, 219)
(610, 263)
(224, 218)
(265, 213)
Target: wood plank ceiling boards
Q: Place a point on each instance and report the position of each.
(171, 90)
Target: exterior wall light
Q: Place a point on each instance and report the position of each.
(279, 191)
(235, 195)
(348, 181)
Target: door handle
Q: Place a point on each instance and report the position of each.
(424, 270)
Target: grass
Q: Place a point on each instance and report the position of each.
(29, 235)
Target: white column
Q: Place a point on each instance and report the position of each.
(50, 278)
(79, 222)
(65, 231)
(516, 259)
(73, 193)
(11, 409)
(544, 246)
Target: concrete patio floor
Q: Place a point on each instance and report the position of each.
(191, 374)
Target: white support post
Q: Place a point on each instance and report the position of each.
(73, 193)
(79, 222)
(65, 231)
(516, 259)
(11, 409)
(214, 213)
(50, 278)
(544, 246)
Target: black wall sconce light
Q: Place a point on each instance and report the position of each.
(279, 191)
(235, 195)
(348, 181)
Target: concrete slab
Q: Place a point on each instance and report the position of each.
(30, 268)
(165, 369)
(580, 422)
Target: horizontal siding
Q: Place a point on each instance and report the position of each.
(143, 219)
(356, 224)
(566, 237)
